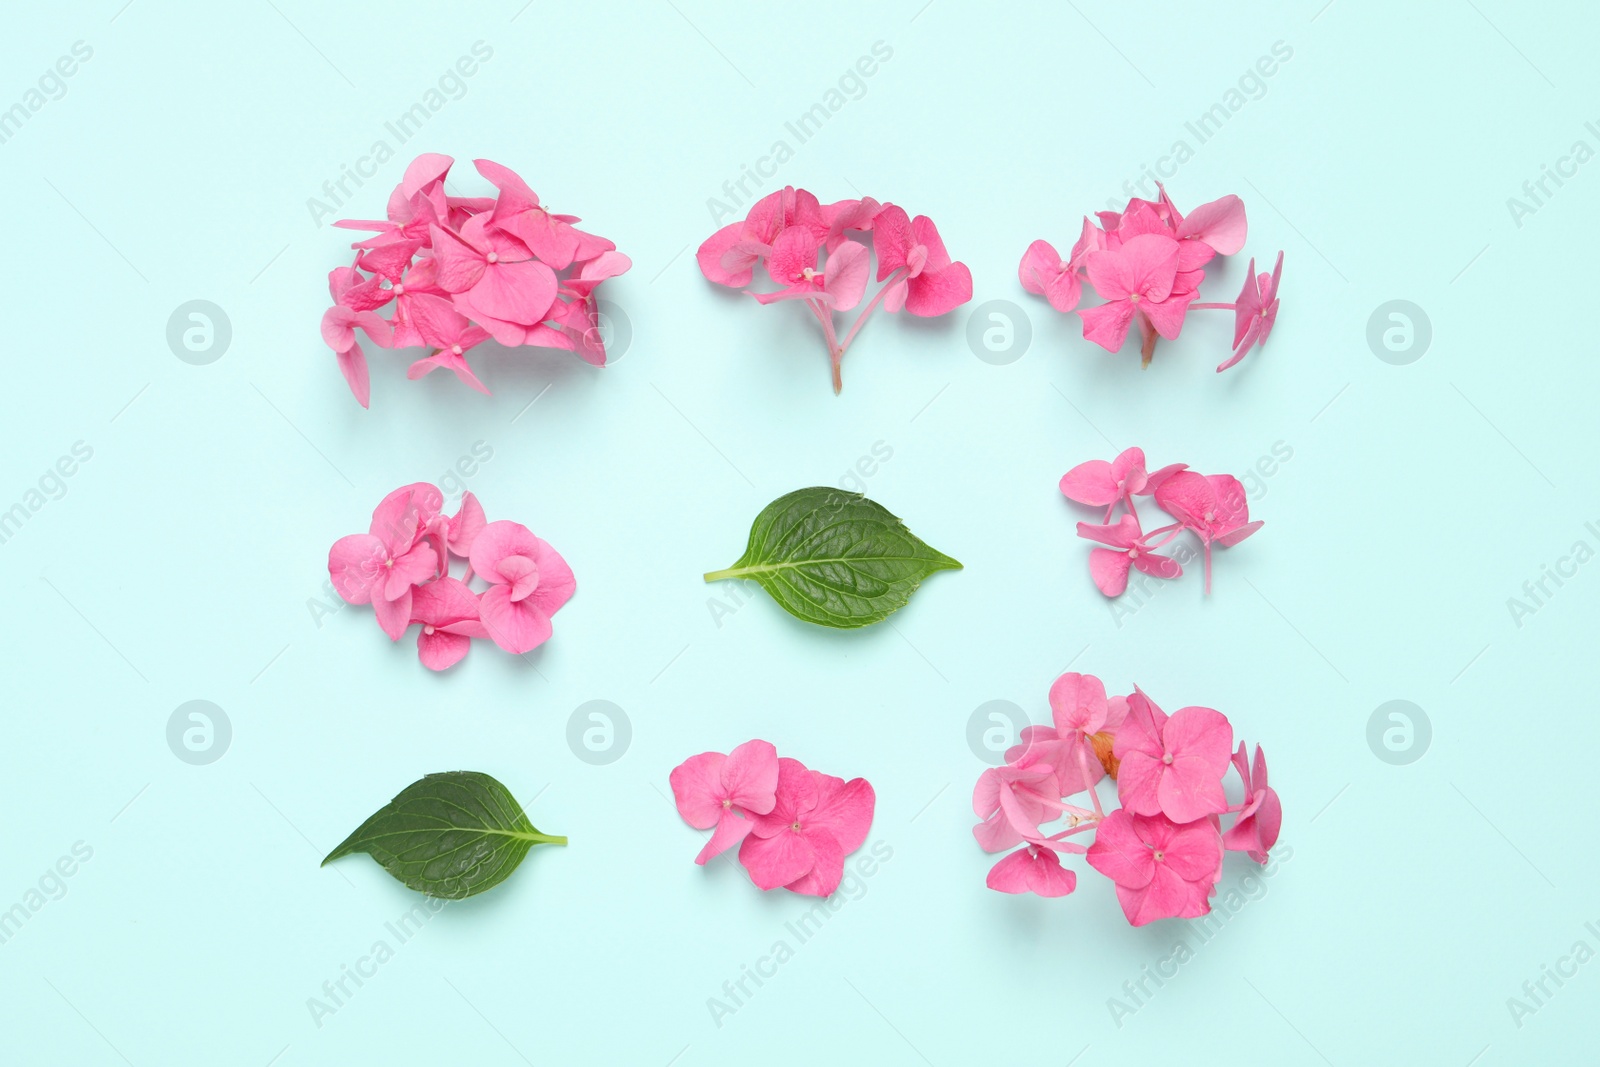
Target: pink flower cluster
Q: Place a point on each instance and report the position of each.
(401, 567)
(1163, 846)
(460, 270)
(793, 826)
(1147, 262)
(806, 250)
(1211, 506)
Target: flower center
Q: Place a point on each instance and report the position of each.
(1133, 553)
(1133, 298)
(493, 257)
(427, 629)
(399, 290)
(1160, 855)
(456, 349)
(1063, 266)
(795, 826)
(1167, 759)
(808, 274)
(727, 802)
(389, 562)
(1210, 515)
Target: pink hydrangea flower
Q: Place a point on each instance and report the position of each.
(713, 790)
(504, 267)
(1163, 870)
(1213, 506)
(529, 582)
(815, 822)
(1256, 830)
(401, 567)
(1148, 262)
(789, 229)
(1173, 766)
(1033, 868)
(448, 613)
(1130, 548)
(1012, 801)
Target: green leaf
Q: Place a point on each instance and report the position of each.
(448, 835)
(835, 558)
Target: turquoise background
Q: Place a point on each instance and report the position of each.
(185, 559)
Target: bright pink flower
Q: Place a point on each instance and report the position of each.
(1012, 801)
(1213, 506)
(451, 334)
(384, 565)
(1163, 870)
(729, 256)
(1033, 869)
(1137, 280)
(529, 582)
(339, 325)
(1254, 312)
(1100, 484)
(1256, 830)
(518, 212)
(839, 283)
(448, 612)
(714, 790)
(495, 270)
(1219, 226)
(1130, 548)
(930, 283)
(815, 822)
(1043, 272)
(1174, 765)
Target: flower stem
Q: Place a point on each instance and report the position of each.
(1208, 307)
(872, 305)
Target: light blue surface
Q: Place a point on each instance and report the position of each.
(183, 559)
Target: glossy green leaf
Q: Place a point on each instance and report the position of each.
(835, 558)
(448, 835)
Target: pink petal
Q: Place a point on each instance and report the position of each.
(1120, 853)
(1091, 482)
(1040, 265)
(393, 615)
(938, 291)
(730, 831)
(516, 292)
(466, 525)
(891, 239)
(846, 270)
(1032, 870)
(1109, 569)
(1078, 702)
(750, 776)
(777, 860)
(500, 540)
(516, 626)
(844, 810)
(354, 565)
(441, 649)
(353, 365)
(1220, 224)
(556, 581)
(827, 869)
(1107, 324)
(423, 171)
(697, 789)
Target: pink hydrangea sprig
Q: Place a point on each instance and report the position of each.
(460, 271)
(401, 566)
(1212, 507)
(817, 254)
(1163, 845)
(794, 826)
(1147, 263)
